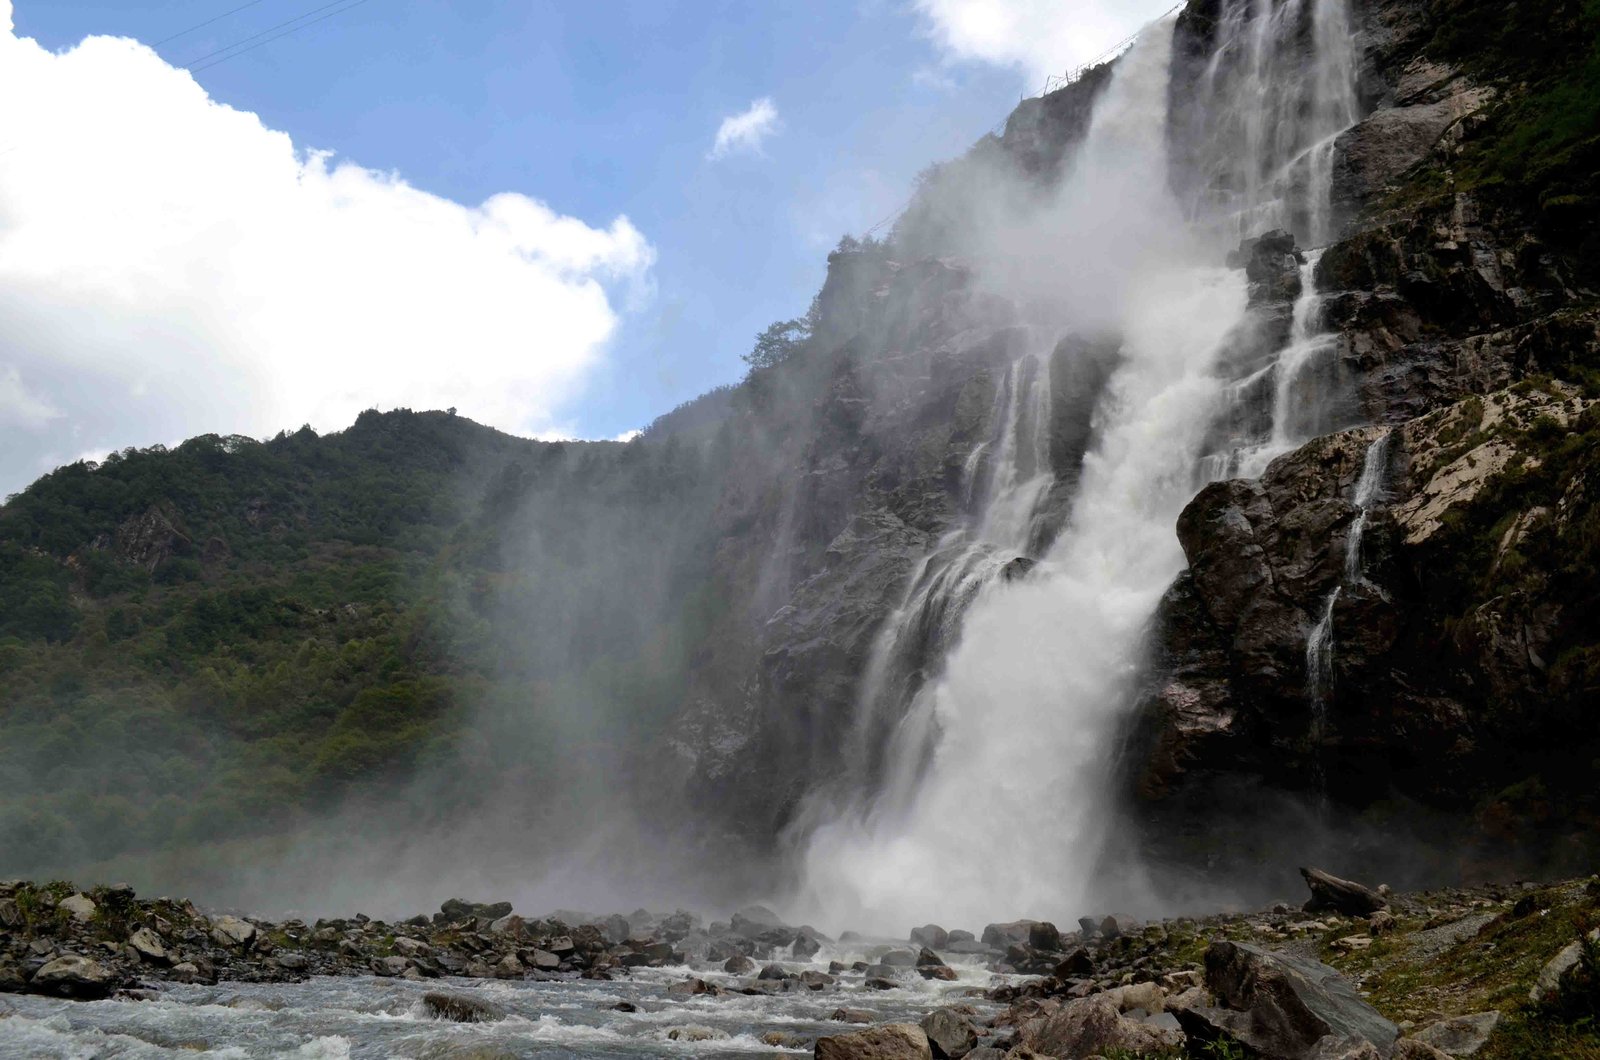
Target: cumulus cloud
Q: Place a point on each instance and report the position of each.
(171, 266)
(1039, 37)
(747, 130)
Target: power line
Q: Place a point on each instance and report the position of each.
(203, 25)
(270, 34)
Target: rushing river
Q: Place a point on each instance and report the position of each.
(372, 1017)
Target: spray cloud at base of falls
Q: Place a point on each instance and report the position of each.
(994, 794)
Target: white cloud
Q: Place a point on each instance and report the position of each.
(170, 266)
(746, 130)
(1039, 37)
(20, 406)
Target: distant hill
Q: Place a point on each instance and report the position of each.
(206, 641)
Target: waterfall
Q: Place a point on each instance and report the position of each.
(990, 792)
(1003, 481)
(1267, 112)
(1319, 642)
(999, 762)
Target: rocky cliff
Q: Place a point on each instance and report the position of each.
(1454, 687)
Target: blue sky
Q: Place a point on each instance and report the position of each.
(610, 108)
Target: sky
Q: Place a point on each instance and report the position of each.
(561, 218)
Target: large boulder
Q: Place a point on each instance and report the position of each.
(892, 1041)
(460, 909)
(1460, 1035)
(460, 1008)
(80, 906)
(147, 944)
(1093, 1026)
(232, 932)
(1329, 892)
(1281, 1006)
(930, 935)
(950, 1034)
(71, 976)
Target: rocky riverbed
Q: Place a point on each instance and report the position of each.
(1494, 972)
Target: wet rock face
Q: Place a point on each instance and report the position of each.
(1431, 668)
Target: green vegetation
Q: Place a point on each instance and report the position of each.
(1540, 145)
(205, 643)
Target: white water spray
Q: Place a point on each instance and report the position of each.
(1022, 718)
(994, 794)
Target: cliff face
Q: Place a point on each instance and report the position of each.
(1458, 667)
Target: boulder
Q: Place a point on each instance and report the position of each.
(752, 920)
(460, 1008)
(892, 1041)
(941, 972)
(1460, 1035)
(739, 964)
(805, 947)
(816, 980)
(80, 906)
(1411, 1049)
(1000, 936)
(458, 909)
(694, 1032)
(774, 971)
(692, 988)
(1329, 892)
(1280, 1005)
(232, 932)
(852, 1015)
(1092, 1026)
(950, 1034)
(544, 960)
(71, 976)
(879, 982)
(1044, 936)
(392, 966)
(1557, 971)
(900, 959)
(1077, 963)
(932, 936)
(148, 945)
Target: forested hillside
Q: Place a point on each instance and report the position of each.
(203, 642)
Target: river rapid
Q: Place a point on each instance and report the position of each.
(374, 1017)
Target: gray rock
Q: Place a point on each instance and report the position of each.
(1092, 1026)
(1281, 1005)
(80, 906)
(148, 945)
(460, 1008)
(1044, 936)
(899, 959)
(805, 947)
(232, 932)
(816, 980)
(545, 961)
(1460, 1035)
(1329, 892)
(931, 935)
(389, 966)
(739, 964)
(1551, 978)
(458, 909)
(950, 1034)
(775, 971)
(852, 1015)
(71, 976)
(892, 1041)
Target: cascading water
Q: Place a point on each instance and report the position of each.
(1018, 725)
(994, 783)
(1319, 642)
(1004, 479)
(1278, 90)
